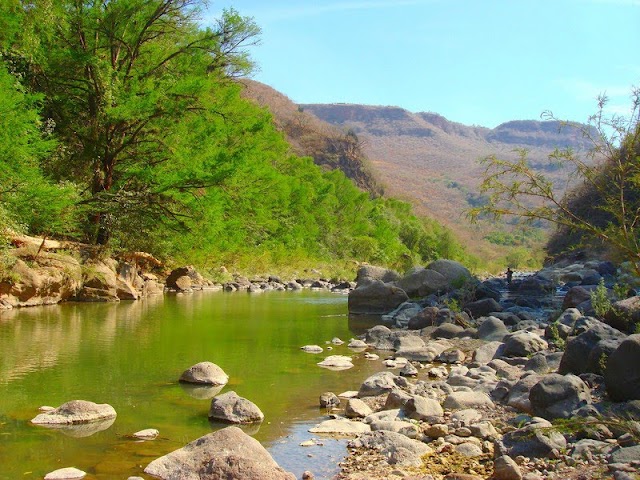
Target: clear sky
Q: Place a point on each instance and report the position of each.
(479, 62)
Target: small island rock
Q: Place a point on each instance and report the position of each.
(232, 408)
(205, 373)
(76, 411)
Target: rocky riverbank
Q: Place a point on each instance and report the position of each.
(38, 272)
(489, 380)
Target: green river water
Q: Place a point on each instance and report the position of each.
(130, 356)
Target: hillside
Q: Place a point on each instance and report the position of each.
(330, 147)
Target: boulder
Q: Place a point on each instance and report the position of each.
(492, 329)
(518, 394)
(227, 453)
(407, 429)
(184, 278)
(505, 468)
(400, 316)
(588, 351)
(336, 362)
(424, 409)
(523, 343)
(375, 298)
(312, 348)
(464, 400)
(370, 272)
(425, 318)
(68, 473)
(624, 314)
(408, 342)
(99, 283)
(575, 296)
(558, 396)
(206, 373)
(329, 400)
(230, 407)
(482, 308)
(622, 375)
(76, 411)
(447, 330)
(356, 408)
(535, 440)
(454, 272)
(487, 352)
(146, 434)
(380, 383)
(420, 282)
(386, 442)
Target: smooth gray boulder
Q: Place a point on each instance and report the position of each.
(536, 440)
(76, 411)
(483, 307)
(523, 343)
(420, 282)
(206, 373)
(492, 329)
(505, 468)
(558, 396)
(464, 400)
(232, 408)
(402, 314)
(425, 318)
(624, 314)
(487, 352)
(356, 408)
(425, 409)
(371, 272)
(622, 375)
(68, 473)
(387, 442)
(375, 298)
(227, 453)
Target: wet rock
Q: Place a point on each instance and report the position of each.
(206, 373)
(558, 396)
(227, 453)
(329, 400)
(76, 411)
(230, 407)
(147, 434)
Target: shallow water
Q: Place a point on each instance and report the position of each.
(131, 354)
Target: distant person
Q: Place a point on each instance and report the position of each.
(509, 275)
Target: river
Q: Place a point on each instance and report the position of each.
(130, 356)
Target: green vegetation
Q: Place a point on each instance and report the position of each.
(122, 124)
(602, 211)
(600, 300)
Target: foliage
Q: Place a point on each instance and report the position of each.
(600, 300)
(610, 173)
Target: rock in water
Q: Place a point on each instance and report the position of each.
(375, 298)
(69, 473)
(232, 408)
(205, 373)
(76, 411)
(227, 453)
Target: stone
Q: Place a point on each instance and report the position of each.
(99, 283)
(447, 330)
(484, 430)
(454, 272)
(420, 282)
(626, 455)
(463, 400)
(355, 343)
(407, 429)
(425, 318)
(396, 399)
(468, 449)
(482, 308)
(356, 408)
(341, 426)
(76, 411)
(312, 349)
(533, 440)
(336, 362)
(558, 396)
(584, 352)
(386, 442)
(575, 296)
(380, 383)
(466, 416)
(436, 430)
(518, 395)
(452, 356)
(409, 370)
(68, 473)
(401, 315)
(408, 342)
(522, 344)
(206, 373)
(232, 408)
(505, 468)
(624, 314)
(146, 434)
(622, 375)
(226, 453)
(492, 329)
(380, 337)
(423, 409)
(487, 352)
(371, 272)
(329, 400)
(374, 298)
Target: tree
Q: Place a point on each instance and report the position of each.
(140, 95)
(605, 205)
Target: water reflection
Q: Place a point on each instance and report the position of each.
(81, 430)
(201, 392)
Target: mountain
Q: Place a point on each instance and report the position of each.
(434, 162)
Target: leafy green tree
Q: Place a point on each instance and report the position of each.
(140, 96)
(606, 203)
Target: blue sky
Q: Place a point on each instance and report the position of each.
(479, 62)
